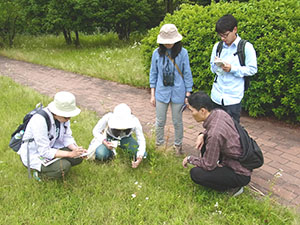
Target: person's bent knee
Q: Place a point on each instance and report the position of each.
(197, 175)
(61, 170)
(102, 153)
(76, 161)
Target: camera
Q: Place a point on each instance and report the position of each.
(168, 79)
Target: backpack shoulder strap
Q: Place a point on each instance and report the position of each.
(219, 48)
(244, 136)
(241, 52)
(47, 118)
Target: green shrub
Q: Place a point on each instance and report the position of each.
(271, 26)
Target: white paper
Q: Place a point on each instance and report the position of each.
(219, 62)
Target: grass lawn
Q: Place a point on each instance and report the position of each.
(101, 56)
(158, 192)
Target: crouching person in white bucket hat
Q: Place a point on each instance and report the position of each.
(57, 144)
(115, 129)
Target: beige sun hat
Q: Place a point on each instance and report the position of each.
(121, 117)
(64, 104)
(168, 34)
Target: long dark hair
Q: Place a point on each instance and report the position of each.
(175, 50)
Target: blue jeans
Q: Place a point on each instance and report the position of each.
(161, 117)
(128, 143)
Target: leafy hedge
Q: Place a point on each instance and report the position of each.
(273, 27)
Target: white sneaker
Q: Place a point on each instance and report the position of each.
(236, 191)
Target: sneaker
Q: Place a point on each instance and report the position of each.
(178, 149)
(159, 147)
(233, 192)
(35, 175)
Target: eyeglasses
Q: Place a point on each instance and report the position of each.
(225, 35)
(116, 133)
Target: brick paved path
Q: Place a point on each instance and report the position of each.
(280, 144)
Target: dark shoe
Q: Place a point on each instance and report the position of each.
(233, 192)
(178, 149)
(160, 147)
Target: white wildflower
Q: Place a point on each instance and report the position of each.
(278, 174)
(217, 205)
(133, 195)
(147, 198)
(136, 183)
(139, 186)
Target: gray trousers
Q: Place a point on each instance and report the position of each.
(161, 118)
(60, 167)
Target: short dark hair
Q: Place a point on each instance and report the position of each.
(175, 50)
(226, 23)
(200, 100)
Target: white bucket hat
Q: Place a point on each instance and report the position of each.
(121, 118)
(168, 34)
(64, 105)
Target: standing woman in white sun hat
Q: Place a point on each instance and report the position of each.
(57, 143)
(171, 82)
(115, 129)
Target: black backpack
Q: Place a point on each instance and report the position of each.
(242, 57)
(17, 136)
(252, 156)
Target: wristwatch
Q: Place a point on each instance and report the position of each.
(188, 159)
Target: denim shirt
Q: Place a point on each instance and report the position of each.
(229, 86)
(176, 93)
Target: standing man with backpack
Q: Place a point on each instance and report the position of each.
(233, 60)
(40, 143)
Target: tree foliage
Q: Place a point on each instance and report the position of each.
(271, 26)
(72, 16)
(125, 16)
(10, 17)
(87, 16)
